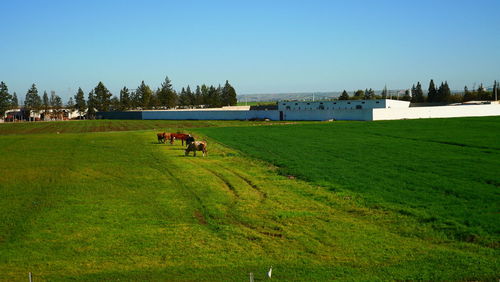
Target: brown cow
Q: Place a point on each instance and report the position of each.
(180, 136)
(197, 146)
(163, 137)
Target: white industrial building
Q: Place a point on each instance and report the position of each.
(362, 110)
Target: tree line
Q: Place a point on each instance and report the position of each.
(142, 98)
(441, 94)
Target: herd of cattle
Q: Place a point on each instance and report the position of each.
(192, 145)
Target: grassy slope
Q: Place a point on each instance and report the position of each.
(116, 205)
(442, 171)
(77, 126)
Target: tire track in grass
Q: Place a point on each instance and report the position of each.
(263, 195)
(274, 232)
(226, 182)
(202, 215)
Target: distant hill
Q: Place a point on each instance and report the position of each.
(307, 96)
(287, 96)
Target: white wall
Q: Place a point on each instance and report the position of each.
(396, 104)
(437, 112)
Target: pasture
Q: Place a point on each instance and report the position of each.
(90, 204)
(442, 172)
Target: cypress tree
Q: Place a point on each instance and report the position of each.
(5, 99)
(432, 93)
(419, 93)
(80, 104)
(344, 95)
(446, 93)
(439, 96)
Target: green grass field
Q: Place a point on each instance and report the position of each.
(92, 205)
(444, 172)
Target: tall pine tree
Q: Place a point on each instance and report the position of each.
(102, 97)
(482, 94)
(384, 93)
(125, 99)
(80, 104)
(190, 97)
(91, 104)
(45, 102)
(183, 98)
(228, 96)
(432, 92)
(71, 104)
(358, 95)
(418, 94)
(198, 97)
(15, 101)
(446, 93)
(344, 96)
(5, 99)
(369, 94)
(167, 95)
(468, 96)
(144, 94)
(32, 102)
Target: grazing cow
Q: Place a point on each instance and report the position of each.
(197, 146)
(180, 136)
(161, 137)
(189, 140)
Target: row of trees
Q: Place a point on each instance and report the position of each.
(143, 97)
(441, 94)
(165, 97)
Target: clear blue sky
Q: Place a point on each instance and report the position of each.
(259, 46)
